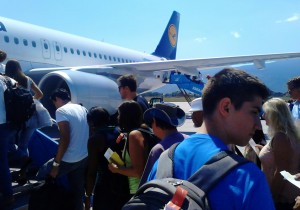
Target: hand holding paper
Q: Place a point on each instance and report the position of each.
(290, 178)
(113, 157)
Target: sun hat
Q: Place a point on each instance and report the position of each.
(196, 105)
(167, 112)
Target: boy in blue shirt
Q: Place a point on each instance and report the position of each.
(232, 101)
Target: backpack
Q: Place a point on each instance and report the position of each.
(174, 194)
(118, 182)
(19, 104)
(150, 139)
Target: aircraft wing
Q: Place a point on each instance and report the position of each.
(190, 66)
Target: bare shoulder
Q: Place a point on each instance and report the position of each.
(136, 135)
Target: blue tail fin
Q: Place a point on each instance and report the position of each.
(168, 44)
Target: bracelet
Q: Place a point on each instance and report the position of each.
(55, 164)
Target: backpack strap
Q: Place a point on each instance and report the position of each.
(165, 167)
(208, 175)
(238, 151)
(143, 130)
(215, 169)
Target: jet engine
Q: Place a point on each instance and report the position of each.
(85, 88)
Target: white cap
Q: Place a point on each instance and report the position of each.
(196, 105)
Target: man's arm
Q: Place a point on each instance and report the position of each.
(64, 130)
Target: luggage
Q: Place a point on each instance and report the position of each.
(51, 196)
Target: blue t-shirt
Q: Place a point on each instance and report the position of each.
(243, 188)
(142, 102)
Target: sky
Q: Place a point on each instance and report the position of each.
(207, 28)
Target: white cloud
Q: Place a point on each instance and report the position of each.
(201, 39)
(235, 34)
(295, 17)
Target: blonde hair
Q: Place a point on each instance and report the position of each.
(280, 119)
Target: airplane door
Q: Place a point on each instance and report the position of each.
(57, 50)
(46, 48)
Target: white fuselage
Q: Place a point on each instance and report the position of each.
(39, 47)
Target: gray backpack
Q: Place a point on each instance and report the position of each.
(170, 193)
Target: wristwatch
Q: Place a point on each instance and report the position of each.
(55, 164)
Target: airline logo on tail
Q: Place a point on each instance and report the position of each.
(172, 32)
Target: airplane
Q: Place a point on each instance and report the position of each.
(61, 54)
(89, 68)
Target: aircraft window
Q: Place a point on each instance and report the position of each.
(46, 46)
(65, 49)
(109, 58)
(105, 57)
(84, 53)
(119, 60)
(114, 58)
(100, 56)
(6, 39)
(57, 48)
(126, 61)
(25, 42)
(16, 40)
(95, 55)
(123, 60)
(78, 52)
(90, 54)
(72, 51)
(33, 44)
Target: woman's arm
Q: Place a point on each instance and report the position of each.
(38, 94)
(137, 156)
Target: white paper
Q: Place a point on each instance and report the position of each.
(290, 178)
(108, 154)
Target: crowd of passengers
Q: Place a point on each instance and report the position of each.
(227, 115)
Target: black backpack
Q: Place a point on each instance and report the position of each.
(171, 193)
(150, 139)
(19, 104)
(118, 182)
(110, 186)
